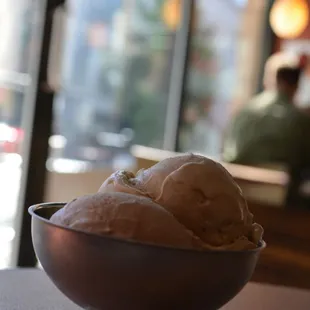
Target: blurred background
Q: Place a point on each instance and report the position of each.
(88, 87)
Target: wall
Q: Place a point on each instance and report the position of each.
(62, 187)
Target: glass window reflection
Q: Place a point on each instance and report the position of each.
(115, 79)
(213, 80)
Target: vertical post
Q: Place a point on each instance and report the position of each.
(178, 77)
(268, 46)
(38, 124)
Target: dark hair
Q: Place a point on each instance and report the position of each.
(289, 75)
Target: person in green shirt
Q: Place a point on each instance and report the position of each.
(271, 130)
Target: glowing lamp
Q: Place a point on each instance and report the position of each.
(172, 14)
(289, 18)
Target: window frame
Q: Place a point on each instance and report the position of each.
(38, 129)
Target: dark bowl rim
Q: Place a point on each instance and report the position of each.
(32, 211)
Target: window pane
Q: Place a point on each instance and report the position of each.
(20, 22)
(114, 82)
(223, 70)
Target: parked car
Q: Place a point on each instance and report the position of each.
(10, 139)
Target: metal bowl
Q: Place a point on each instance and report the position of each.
(105, 273)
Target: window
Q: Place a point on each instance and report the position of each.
(116, 70)
(19, 44)
(115, 80)
(224, 47)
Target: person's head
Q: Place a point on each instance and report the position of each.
(282, 73)
(287, 80)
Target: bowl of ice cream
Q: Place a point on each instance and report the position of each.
(178, 236)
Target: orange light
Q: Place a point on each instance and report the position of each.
(171, 13)
(289, 18)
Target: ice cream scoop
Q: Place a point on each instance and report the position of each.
(147, 182)
(202, 196)
(128, 217)
(123, 181)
